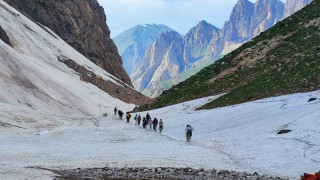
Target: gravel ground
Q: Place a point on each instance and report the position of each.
(157, 173)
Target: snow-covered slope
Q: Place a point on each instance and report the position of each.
(31, 74)
(241, 138)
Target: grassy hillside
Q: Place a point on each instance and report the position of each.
(282, 60)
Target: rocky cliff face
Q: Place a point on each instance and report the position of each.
(293, 6)
(171, 55)
(197, 40)
(133, 43)
(236, 29)
(247, 20)
(266, 14)
(82, 24)
(163, 60)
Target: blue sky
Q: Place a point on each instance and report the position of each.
(180, 15)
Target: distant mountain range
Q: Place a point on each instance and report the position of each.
(171, 55)
(133, 43)
(164, 65)
(284, 59)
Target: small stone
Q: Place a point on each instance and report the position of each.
(312, 99)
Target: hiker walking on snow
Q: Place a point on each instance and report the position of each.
(120, 113)
(136, 119)
(139, 120)
(189, 130)
(160, 125)
(144, 122)
(155, 124)
(150, 123)
(148, 117)
(128, 117)
(115, 111)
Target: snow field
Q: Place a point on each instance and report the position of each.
(241, 138)
(32, 76)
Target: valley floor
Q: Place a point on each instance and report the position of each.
(242, 138)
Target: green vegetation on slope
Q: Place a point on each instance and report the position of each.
(290, 63)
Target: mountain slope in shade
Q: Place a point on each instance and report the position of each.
(82, 24)
(293, 6)
(133, 43)
(163, 60)
(40, 71)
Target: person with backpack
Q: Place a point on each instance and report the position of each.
(115, 111)
(139, 120)
(189, 130)
(150, 123)
(160, 125)
(144, 122)
(155, 124)
(120, 114)
(136, 119)
(148, 116)
(128, 117)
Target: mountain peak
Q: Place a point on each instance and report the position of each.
(203, 22)
(133, 43)
(243, 7)
(243, 2)
(169, 36)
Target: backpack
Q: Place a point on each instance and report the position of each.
(189, 132)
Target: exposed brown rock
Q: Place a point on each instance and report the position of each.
(123, 92)
(82, 24)
(250, 56)
(4, 37)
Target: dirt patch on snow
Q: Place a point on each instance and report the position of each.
(124, 92)
(4, 37)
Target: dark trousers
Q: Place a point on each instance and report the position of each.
(160, 128)
(155, 127)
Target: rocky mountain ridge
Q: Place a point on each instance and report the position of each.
(163, 60)
(282, 60)
(247, 20)
(171, 55)
(133, 43)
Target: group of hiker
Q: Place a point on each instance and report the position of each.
(153, 124)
